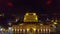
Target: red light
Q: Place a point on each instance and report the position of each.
(49, 2)
(10, 4)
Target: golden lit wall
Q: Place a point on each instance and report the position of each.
(30, 17)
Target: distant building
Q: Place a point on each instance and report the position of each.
(28, 28)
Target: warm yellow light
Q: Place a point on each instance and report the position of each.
(52, 20)
(55, 22)
(49, 30)
(36, 18)
(17, 29)
(6, 30)
(27, 14)
(23, 30)
(34, 29)
(21, 24)
(2, 29)
(24, 18)
(12, 29)
(20, 29)
(30, 17)
(27, 29)
(1, 14)
(41, 24)
(34, 13)
(41, 30)
(46, 29)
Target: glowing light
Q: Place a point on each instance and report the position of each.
(22, 24)
(17, 19)
(49, 30)
(27, 29)
(24, 18)
(38, 30)
(9, 24)
(27, 14)
(46, 30)
(55, 23)
(36, 18)
(23, 30)
(15, 30)
(54, 26)
(20, 29)
(41, 30)
(34, 13)
(52, 20)
(1, 29)
(1, 14)
(49, 2)
(41, 24)
(10, 4)
(10, 28)
(29, 17)
(34, 29)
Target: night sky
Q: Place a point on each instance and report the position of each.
(20, 7)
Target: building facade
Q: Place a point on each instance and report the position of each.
(31, 26)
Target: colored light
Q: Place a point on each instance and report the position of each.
(10, 4)
(49, 2)
(52, 20)
(12, 29)
(17, 19)
(36, 18)
(27, 14)
(55, 23)
(1, 14)
(24, 18)
(22, 24)
(23, 30)
(34, 13)
(54, 26)
(27, 29)
(34, 29)
(20, 29)
(41, 24)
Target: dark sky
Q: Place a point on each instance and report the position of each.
(19, 7)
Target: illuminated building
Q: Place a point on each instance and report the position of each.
(28, 28)
(30, 17)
